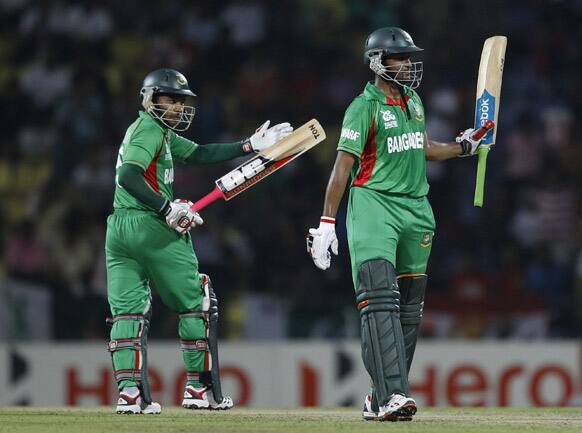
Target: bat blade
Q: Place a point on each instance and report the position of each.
(487, 103)
(265, 163)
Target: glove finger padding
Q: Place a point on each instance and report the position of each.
(322, 239)
(261, 129)
(181, 217)
(334, 246)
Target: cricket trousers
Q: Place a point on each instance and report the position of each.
(399, 230)
(142, 251)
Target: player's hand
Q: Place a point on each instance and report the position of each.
(469, 145)
(180, 217)
(319, 242)
(265, 137)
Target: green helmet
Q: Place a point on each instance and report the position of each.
(388, 41)
(167, 82)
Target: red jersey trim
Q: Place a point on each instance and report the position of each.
(401, 104)
(151, 174)
(368, 158)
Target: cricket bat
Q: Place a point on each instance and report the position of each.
(487, 104)
(264, 163)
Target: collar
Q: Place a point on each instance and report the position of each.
(401, 104)
(374, 93)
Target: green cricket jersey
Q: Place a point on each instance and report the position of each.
(388, 146)
(153, 148)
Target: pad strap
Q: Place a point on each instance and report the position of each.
(194, 314)
(134, 375)
(124, 343)
(137, 317)
(200, 345)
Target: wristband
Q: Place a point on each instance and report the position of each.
(165, 209)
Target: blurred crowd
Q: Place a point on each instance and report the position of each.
(70, 74)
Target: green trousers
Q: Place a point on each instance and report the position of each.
(396, 228)
(141, 250)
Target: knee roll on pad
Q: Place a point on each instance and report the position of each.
(383, 352)
(412, 290)
(132, 338)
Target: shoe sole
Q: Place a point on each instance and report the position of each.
(405, 413)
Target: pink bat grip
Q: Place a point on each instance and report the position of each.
(209, 198)
(489, 124)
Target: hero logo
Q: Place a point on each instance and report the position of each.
(485, 111)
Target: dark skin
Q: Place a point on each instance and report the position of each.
(344, 162)
(174, 104)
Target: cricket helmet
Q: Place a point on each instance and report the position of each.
(392, 41)
(167, 82)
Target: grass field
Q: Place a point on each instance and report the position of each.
(325, 420)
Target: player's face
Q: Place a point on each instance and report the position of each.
(400, 65)
(173, 106)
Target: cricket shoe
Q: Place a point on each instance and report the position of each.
(202, 398)
(398, 408)
(130, 402)
(368, 413)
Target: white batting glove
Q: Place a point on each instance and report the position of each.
(320, 240)
(469, 146)
(180, 217)
(265, 137)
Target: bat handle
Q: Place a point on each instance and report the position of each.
(209, 198)
(480, 181)
(479, 133)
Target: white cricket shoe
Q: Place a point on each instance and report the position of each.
(130, 402)
(398, 408)
(368, 413)
(152, 409)
(202, 398)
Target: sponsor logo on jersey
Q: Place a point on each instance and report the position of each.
(404, 142)
(168, 156)
(350, 134)
(418, 112)
(389, 119)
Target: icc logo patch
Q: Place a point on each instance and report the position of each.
(389, 119)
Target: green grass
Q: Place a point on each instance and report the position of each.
(324, 420)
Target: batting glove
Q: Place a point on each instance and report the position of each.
(319, 242)
(469, 145)
(180, 217)
(265, 137)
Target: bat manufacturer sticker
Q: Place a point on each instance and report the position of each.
(485, 111)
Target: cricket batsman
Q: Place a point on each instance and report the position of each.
(148, 242)
(390, 223)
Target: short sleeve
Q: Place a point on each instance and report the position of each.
(141, 145)
(181, 147)
(355, 127)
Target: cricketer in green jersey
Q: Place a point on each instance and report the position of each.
(148, 242)
(390, 224)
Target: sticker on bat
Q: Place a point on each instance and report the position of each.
(238, 176)
(485, 111)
